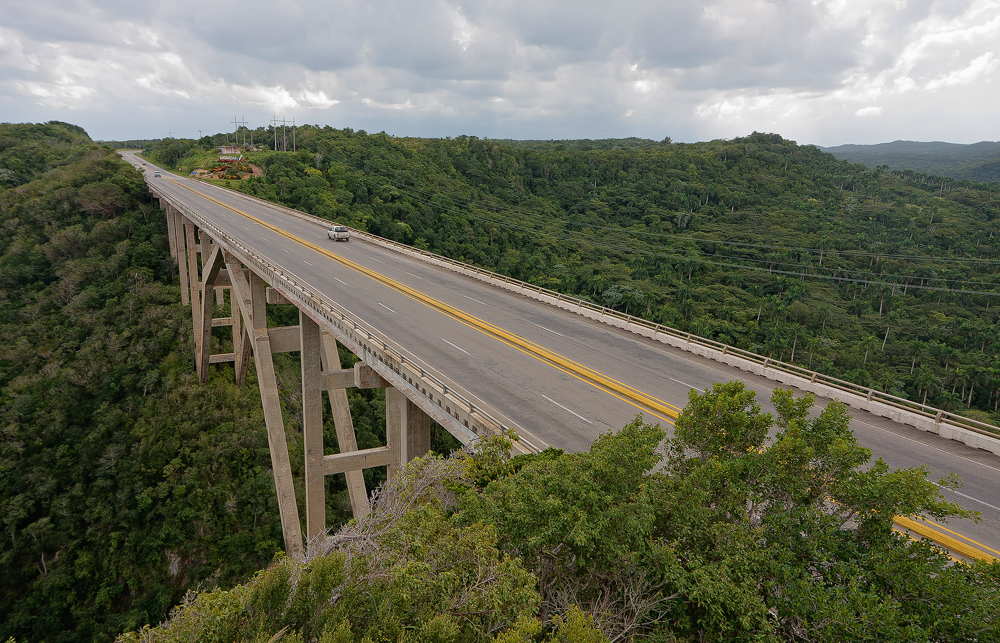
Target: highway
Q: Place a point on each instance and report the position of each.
(547, 404)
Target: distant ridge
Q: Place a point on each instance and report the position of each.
(974, 162)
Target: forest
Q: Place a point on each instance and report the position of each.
(124, 482)
(975, 162)
(131, 495)
(886, 279)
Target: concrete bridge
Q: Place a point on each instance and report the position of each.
(480, 354)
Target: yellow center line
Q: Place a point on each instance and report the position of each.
(584, 373)
(943, 539)
(955, 533)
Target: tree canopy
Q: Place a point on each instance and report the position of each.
(714, 534)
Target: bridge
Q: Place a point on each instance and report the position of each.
(480, 354)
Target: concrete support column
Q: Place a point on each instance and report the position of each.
(179, 250)
(312, 426)
(346, 438)
(171, 214)
(211, 258)
(191, 282)
(276, 440)
(241, 340)
(418, 431)
(395, 421)
(408, 430)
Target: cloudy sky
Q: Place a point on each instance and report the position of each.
(816, 71)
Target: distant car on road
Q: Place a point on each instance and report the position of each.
(338, 233)
(156, 173)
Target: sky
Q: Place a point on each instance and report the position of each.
(824, 72)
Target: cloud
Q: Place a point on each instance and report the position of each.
(977, 69)
(505, 68)
(871, 110)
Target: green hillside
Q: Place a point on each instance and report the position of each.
(975, 162)
(124, 482)
(885, 279)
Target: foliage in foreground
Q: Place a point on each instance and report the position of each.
(727, 540)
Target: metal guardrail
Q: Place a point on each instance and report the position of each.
(814, 377)
(468, 417)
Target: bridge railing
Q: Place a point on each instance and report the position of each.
(814, 377)
(452, 406)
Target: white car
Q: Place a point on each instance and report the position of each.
(338, 233)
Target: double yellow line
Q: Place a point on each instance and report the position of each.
(952, 540)
(637, 398)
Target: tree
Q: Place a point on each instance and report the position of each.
(927, 382)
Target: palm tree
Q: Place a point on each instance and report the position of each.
(796, 331)
(868, 343)
(915, 348)
(926, 381)
(890, 318)
(977, 375)
(823, 314)
(599, 283)
(949, 401)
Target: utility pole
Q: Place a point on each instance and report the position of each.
(284, 133)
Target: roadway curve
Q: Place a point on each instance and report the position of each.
(548, 406)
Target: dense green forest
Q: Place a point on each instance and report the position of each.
(125, 484)
(886, 279)
(727, 541)
(974, 162)
(123, 481)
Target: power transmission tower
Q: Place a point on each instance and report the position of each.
(284, 133)
(238, 124)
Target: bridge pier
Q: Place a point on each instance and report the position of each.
(204, 268)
